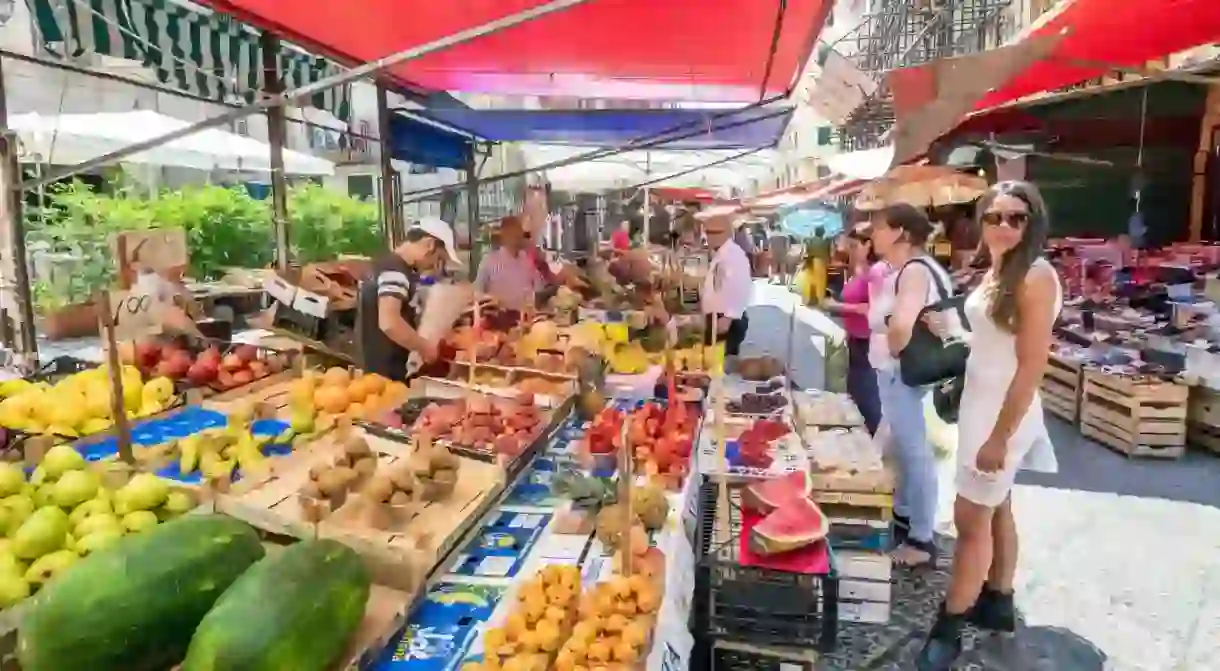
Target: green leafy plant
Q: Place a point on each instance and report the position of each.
(225, 227)
(324, 224)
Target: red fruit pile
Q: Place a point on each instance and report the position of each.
(660, 437)
(207, 368)
(754, 444)
(506, 427)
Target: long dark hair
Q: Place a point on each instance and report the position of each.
(1016, 262)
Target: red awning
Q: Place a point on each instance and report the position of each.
(1076, 41)
(639, 49)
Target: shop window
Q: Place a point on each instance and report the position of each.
(824, 136)
(361, 186)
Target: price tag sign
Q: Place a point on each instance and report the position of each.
(310, 303)
(279, 289)
(134, 314)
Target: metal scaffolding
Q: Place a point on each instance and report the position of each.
(902, 33)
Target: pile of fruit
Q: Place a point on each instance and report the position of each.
(537, 624)
(751, 403)
(660, 436)
(79, 404)
(429, 475)
(790, 519)
(129, 605)
(614, 625)
(754, 444)
(64, 512)
(329, 484)
(537, 346)
(320, 399)
(503, 427)
(217, 453)
(208, 367)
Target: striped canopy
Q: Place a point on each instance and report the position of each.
(196, 52)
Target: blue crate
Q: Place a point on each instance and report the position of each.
(502, 546)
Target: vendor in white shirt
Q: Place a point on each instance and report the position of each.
(726, 288)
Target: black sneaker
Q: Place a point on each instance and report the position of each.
(944, 644)
(994, 611)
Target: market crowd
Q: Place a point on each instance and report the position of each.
(911, 335)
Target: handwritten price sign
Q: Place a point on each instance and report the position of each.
(134, 314)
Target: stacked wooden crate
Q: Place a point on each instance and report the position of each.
(1138, 416)
(1203, 418)
(1061, 386)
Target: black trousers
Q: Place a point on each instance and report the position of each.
(732, 339)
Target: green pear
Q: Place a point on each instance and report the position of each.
(20, 508)
(75, 487)
(39, 476)
(45, 496)
(60, 459)
(144, 491)
(10, 565)
(12, 479)
(98, 540)
(96, 523)
(95, 506)
(13, 589)
(44, 532)
(178, 503)
(140, 520)
(50, 565)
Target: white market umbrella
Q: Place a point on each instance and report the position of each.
(75, 138)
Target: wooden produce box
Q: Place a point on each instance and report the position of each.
(413, 544)
(1138, 417)
(1061, 387)
(1203, 418)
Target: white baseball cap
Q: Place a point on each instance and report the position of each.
(442, 231)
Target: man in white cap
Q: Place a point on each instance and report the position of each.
(391, 303)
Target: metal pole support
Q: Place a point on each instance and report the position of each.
(277, 128)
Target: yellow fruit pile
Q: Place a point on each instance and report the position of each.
(79, 404)
(537, 625)
(615, 620)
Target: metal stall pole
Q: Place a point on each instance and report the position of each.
(647, 198)
(389, 210)
(325, 84)
(277, 128)
(17, 313)
(472, 211)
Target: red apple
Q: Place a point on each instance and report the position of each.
(232, 362)
(147, 354)
(246, 353)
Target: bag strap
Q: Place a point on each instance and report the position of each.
(936, 278)
(947, 301)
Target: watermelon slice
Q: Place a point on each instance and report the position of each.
(798, 523)
(767, 495)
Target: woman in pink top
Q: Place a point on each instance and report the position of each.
(865, 275)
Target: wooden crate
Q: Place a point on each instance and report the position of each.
(1061, 387)
(1203, 418)
(1137, 417)
(416, 544)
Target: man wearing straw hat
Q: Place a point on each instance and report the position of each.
(726, 288)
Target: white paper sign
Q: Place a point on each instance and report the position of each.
(135, 314)
(310, 303)
(279, 289)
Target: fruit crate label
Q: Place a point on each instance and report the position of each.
(502, 546)
(440, 630)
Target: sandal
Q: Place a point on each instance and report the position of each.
(926, 554)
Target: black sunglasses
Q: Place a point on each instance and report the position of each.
(1011, 219)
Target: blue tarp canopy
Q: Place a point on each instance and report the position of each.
(803, 220)
(748, 128)
(420, 142)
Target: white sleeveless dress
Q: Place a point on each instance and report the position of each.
(989, 370)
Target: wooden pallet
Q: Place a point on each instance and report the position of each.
(1061, 387)
(1203, 418)
(1136, 417)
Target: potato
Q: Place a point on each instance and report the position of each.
(379, 489)
(356, 447)
(365, 467)
(403, 479)
(332, 483)
(400, 499)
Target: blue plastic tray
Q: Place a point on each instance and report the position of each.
(441, 629)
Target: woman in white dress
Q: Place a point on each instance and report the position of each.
(1001, 429)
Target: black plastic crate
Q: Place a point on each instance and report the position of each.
(752, 604)
(727, 656)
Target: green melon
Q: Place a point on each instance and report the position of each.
(134, 606)
(296, 610)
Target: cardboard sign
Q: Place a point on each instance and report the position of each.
(135, 314)
(154, 250)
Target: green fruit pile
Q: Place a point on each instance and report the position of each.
(64, 513)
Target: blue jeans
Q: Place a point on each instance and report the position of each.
(915, 494)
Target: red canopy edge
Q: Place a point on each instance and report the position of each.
(1076, 41)
(635, 49)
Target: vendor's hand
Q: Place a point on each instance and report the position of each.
(723, 324)
(430, 351)
(991, 456)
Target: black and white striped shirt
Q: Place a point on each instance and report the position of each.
(392, 277)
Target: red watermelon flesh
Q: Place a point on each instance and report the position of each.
(767, 495)
(796, 524)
